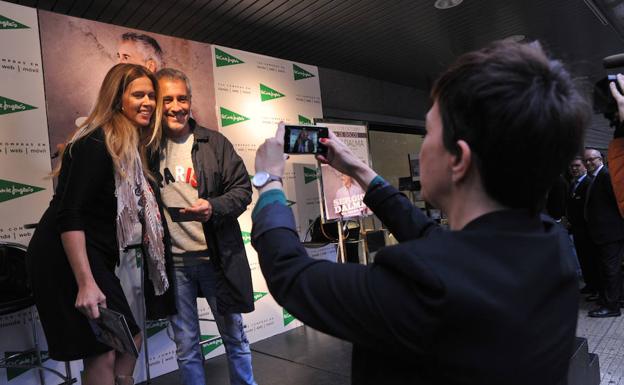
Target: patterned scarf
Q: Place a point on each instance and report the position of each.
(136, 204)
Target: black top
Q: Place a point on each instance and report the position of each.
(90, 204)
(604, 223)
(495, 303)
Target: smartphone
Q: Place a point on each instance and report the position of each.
(177, 216)
(305, 140)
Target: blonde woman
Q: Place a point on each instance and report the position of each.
(102, 202)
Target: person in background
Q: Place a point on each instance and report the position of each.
(606, 230)
(494, 300)
(103, 203)
(585, 248)
(616, 146)
(199, 171)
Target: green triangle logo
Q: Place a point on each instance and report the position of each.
(155, 326)
(24, 359)
(259, 294)
(309, 174)
(299, 73)
(287, 317)
(230, 117)
(11, 190)
(290, 203)
(268, 93)
(246, 237)
(6, 23)
(304, 120)
(212, 345)
(9, 106)
(225, 59)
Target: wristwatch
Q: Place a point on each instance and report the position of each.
(262, 178)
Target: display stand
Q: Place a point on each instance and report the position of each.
(342, 257)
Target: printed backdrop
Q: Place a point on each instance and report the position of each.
(25, 188)
(243, 95)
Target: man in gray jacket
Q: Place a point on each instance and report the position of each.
(204, 187)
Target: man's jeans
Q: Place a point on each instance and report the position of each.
(190, 282)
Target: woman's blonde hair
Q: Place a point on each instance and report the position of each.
(120, 134)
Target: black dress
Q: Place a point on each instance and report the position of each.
(84, 200)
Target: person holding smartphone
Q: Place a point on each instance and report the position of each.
(204, 187)
(492, 301)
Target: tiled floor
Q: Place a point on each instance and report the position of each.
(300, 356)
(606, 338)
(304, 356)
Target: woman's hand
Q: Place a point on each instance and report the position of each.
(270, 155)
(88, 299)
(340, 157)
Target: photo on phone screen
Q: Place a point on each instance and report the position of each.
(304, 140)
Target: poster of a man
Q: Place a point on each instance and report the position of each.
(343, 196)
(138, 48)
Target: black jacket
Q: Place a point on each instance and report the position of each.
(604, 222)
(222, 179)
(575, 206)
(494, 303)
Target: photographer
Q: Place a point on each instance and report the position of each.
(494, 300)
(616, 147)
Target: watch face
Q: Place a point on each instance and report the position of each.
(260, 179)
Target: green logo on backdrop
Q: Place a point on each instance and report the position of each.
(155, 326)
(299, 73)
(309, 174)
(11, 190)
(8, 106)
(230, 117)
(304, 120)
(225, 59)
(210, 346)
(25, 359)
(287, 317)
(259, 294)
(246, 237)
(267, 93)
(6, 23)
(290, 203)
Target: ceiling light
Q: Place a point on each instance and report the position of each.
(446, 4)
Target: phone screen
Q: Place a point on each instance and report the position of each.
(304, 140)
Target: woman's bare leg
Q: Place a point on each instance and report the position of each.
(125, 363)
(99, 370)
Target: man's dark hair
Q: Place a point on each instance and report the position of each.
(521, 114)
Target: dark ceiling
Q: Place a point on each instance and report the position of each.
(402, 41)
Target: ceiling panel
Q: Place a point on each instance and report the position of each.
(403, 41)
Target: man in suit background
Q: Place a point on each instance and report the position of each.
(585, 249)
(606, 230)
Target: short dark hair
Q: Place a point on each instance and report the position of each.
(509, 101)
(147, 41)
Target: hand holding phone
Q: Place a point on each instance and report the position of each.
(304, 139)
(177, 215)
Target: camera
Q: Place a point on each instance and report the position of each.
(604, 103)
(305, 140)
